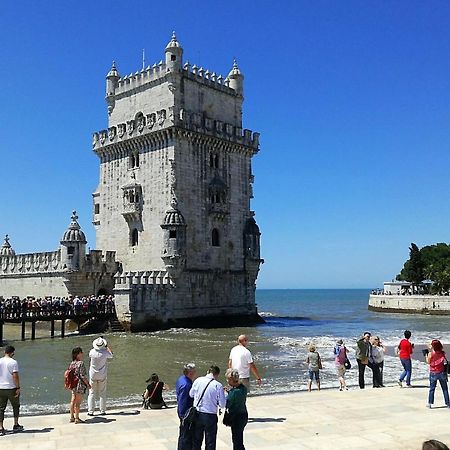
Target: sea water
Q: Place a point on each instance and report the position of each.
(294, 318)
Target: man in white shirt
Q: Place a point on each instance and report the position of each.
(241, 359)
(98, 373)
(208, 394)
(9, 388)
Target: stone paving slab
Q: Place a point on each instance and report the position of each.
(370, 419)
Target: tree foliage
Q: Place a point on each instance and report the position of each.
(431, 262)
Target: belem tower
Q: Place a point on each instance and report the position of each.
(174, 195)
(172, 208)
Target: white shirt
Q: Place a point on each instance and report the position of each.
(241, 358)
(7, 367)
(214, 395)
(98, 368)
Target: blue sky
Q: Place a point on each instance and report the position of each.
(352, 100)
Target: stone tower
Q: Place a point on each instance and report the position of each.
(173, 199)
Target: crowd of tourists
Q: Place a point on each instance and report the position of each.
(370, 353)
(31, 307)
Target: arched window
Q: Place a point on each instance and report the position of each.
(216, 161)
(134, 237)
(215, 238)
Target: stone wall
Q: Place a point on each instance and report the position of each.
(415, 304)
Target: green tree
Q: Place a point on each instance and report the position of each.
(413, 269)
(432, 262)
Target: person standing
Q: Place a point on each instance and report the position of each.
(314, 365)
(9, 388)
(436, 359)
(80, 389)
(340, 352)
(362, 356)
(378, 350)
(236, 408)
(208, 394)
(184, 402)
(404, 351)
(98, 374)
(242, 360)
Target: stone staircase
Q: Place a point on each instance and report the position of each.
(115, 326)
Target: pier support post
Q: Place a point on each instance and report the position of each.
(33, 330)
(63, 326)
(23, 330)
(1, 334)
(52, 328)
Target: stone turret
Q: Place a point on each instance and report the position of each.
(252, 240)
(6, 249)
(174, 240)
(236, 79)
(111, 84)
(174, 55)
(73, 246)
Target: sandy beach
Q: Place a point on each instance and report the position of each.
(389, 418)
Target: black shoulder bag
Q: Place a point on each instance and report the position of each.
(191, 414)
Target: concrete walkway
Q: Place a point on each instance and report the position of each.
(389, 418)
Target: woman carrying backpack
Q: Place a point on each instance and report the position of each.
(340, 353)
(80, 384)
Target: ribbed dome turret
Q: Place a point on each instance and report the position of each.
(173, 42)
(173, 216)
(74, 233)
(235, 71)
(113, 72)
(6, 249)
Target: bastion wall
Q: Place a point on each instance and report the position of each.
(414, 304)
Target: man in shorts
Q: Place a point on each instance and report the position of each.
(9, 388)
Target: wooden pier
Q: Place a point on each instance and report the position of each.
(79, 318)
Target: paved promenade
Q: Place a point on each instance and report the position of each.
(389, 418)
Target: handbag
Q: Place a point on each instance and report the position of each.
(347, 364)
(227, 419)
(191, 414)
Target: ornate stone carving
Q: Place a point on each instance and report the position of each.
(151, 120)
(112, 133)
(130, 127)
(122, 128)
(161, 116)
(102, 137)
(140, 123)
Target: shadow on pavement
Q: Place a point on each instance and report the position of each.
(99, 419)
(30, 431)
(123, 413)
(266, 419)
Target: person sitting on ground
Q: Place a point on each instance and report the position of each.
(314, 364)
(153, 394)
